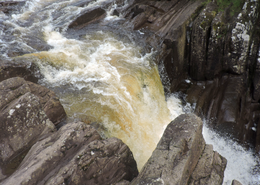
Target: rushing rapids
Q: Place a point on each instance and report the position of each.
(101, 78)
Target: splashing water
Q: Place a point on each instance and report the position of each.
(106, 81)
(240, 162)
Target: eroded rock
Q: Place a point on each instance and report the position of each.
(23, 122)
(50, 102)
(88, 17)
(76, 154)
(13, 88)
(176, 154)
(210, 168)
(200, 40)
(19, 68)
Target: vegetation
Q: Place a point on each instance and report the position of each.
(234, 5)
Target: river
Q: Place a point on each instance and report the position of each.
(104, 78)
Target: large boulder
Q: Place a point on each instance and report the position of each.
(13, 88)
(178, 153)
(26, 113)
(23, 122)
(76, 154)
(50, 102)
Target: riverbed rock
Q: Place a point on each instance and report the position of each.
(19, 68)
(10, 6)
(210, 168)
(177, 153)
(88, 17)
(13, 88)
(164, 27)
(235, 182)
(50, 102)
(76, 154)
(23, 122)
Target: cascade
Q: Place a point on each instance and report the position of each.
(101, 78)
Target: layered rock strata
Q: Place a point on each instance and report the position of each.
(182, 157)
(76, 154)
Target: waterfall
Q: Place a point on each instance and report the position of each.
(102, 78)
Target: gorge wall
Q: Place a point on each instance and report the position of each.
(208, 54)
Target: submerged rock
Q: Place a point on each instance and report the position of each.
(76, 154)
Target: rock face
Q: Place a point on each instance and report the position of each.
(176, 159)
(19, 68)
(217, 51)
(23, 121)
(25, 113)
(88, 17)
(76, 154)
(210, 168)
(165, 23)
(13, 88)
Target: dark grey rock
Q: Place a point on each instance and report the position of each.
(176, 154)
(76, 154)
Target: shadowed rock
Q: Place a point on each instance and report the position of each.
(88, 17)
(19, 68)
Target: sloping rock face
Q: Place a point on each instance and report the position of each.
(23, 122)
(26, 113)
(76, 154)
(210, 168)
(15, 87)
(181, 157)
(19, 68)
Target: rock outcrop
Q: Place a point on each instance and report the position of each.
(181, 157)
(216, 49)
(210, 168)
(19, 68)
(26, 113)
(76, 154)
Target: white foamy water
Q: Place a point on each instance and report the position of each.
(109, 82)
(240, 162)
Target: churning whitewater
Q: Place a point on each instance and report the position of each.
(101, 79)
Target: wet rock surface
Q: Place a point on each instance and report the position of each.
(10, 6)
(13, 88)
